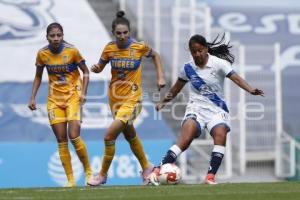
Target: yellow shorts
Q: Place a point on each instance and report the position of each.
(126, 111)
(64, 112)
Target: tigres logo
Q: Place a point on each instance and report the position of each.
(134, 87)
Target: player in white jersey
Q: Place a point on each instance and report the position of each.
(206, 108)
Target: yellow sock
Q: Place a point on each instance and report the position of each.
(65, 158)
(82, 154)
(109, 153)
(137, 149)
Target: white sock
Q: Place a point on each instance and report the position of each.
(219, 149)
(176, 150)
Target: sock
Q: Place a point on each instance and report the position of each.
(65, 158)
(216, 159)
(82, 154)
(171, 155)
(109, 153)
(137, 148)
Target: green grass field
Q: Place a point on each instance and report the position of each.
(244, 191)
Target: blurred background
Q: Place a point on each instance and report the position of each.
(263, 144)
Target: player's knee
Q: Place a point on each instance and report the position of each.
(109, 137)
(219, 136)
(61, 139)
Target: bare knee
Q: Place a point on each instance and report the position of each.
(61, 138)
(219, 135)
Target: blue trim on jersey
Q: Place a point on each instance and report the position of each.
(149, 54)
(129, 41)
(101, 61)
(230, 73)
(193, 117)
(226, 126)
(81, 62)
(59, 50)
(182, 80)
(61, 69)
(125, 64)
(197, 82)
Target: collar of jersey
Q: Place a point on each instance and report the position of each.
(208, 64)
(60, 48)
(128, 44)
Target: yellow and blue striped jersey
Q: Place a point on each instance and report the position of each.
(126, 69)
(62, 68)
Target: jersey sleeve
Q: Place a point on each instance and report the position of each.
(39, 62)
(147, 50)
(226, 68)
(78, 57)
(104, 58)
(182, 75)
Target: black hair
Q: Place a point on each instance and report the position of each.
(54, 25)
(216, 48)
(120, 19)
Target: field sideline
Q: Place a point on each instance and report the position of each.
(227, 191)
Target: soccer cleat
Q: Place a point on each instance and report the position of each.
(153, 177)
(88, 176)
(210, 179)
(70, 184)
(146, 173)
(97, 180)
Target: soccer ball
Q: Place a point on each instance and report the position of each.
(169, 174)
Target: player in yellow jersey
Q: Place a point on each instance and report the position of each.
(66, 96)
(125, 93)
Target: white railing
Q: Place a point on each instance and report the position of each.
(286, 156)
(199, 17)
(241, 114)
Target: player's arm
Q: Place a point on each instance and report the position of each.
(97, 68)
(160, 75)
(175, 89)
(85, 81)
(244, 85)
(35, 87)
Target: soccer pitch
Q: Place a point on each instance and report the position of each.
(227, 191)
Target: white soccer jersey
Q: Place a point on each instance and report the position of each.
(206, 84)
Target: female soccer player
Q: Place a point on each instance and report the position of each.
(206, 108)
(125, 93)
(66, 96)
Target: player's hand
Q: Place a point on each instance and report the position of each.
(32, 105)
(257, 91)
(96, 68)
(82, 99)
(161, 83)
(159, 106)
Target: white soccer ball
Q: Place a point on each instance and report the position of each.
(169, 174)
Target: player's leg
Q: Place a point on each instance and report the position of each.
(137, 148)
(60, 131)
(74, 124)
(190, 129)
(218, 129)
(80, 147)
(58, 122)
(110, 137)
(111, 134)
